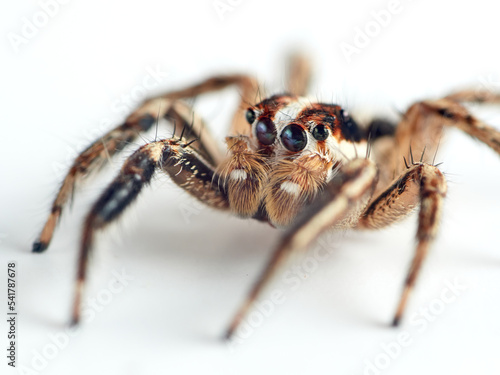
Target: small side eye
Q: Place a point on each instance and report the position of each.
(294, 138)
(320, 132)
(250, 115)
(265, 131)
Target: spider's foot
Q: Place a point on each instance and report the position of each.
(229, 334)
(39, 247)
(235, 323)
(396, 321)
(75, 314)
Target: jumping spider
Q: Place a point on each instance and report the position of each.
(293, 163)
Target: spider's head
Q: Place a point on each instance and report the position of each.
(291, 125)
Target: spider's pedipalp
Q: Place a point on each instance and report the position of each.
(243, 174)
(293, 183)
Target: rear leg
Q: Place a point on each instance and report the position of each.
(475, 96)
(422, 126)
(298, 75)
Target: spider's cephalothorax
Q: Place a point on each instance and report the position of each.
(293, 148)
(291, 162)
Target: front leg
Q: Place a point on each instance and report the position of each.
(110, 144)
(338, 203)
(422, 184)
(174, 156)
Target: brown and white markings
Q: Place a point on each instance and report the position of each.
(299, 165)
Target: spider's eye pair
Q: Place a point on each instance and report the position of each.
(293, 136)
(295, 139)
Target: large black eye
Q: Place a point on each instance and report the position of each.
(320, 132)
(250, 115)
(294, 137)
(266, 132)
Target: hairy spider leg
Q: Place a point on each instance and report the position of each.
(422, 125)
(173, 156)
(422, 183)
(142, 120)
(344, 196)
(475, 96)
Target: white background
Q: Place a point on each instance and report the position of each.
(60, 90)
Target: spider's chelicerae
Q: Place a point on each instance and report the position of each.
(291, 162)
